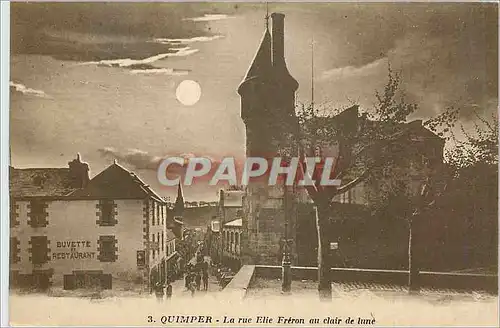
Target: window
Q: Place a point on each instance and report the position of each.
(158, 239)
(39, 249)
(14, 250)
(162, 242)
(38, 213)
(107, 249)
(153, 245)
(162, 215)
(106, 213)
(152, 213)
(14, 214)
(141, 258)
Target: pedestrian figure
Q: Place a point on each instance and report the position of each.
(192, 287)
(169, 290)
(205, 280)
(159, 291)
(198, 281)
(188, 279)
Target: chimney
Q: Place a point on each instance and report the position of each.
(278, 37)
(78, 173)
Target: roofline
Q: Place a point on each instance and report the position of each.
(70, 198)
(38, 168)
(245, 79)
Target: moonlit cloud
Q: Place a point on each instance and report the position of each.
(127, 62)
(164, 71)
(352, 71)
(21, 88)
(207, 18)
(143, 160)
(189, 40)
(138, 158)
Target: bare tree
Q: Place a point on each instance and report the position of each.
(361, 147)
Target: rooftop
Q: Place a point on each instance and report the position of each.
(39, 182)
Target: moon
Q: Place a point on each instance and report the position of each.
(188, 92)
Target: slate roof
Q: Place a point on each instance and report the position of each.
(39, 182)
(118, 183)
(261, 63)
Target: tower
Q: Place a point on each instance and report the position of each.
(178, 210)
(268, 110)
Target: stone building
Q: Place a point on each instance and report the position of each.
(71, 231)
(268, 110)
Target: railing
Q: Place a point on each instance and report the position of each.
(426, 279)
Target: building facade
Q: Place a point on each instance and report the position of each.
(69, 231)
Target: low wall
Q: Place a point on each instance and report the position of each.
(446, 280)
(238, 286)
(442, 280)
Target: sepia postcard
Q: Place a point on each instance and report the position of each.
(238, 164)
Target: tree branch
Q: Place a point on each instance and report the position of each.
(354, 182)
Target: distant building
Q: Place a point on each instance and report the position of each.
(69, 231)
(224, 230)
(175, 216)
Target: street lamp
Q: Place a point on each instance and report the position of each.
(286, 262)
(424, 201)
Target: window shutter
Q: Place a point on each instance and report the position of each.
(39, 249)
(38, 214)
(14, 250)
(107, 248)
(14, 214)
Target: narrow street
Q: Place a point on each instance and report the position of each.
(179, 289)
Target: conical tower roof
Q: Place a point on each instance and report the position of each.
(262, 62)
(179, 202)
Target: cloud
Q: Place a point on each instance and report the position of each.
(142, 160)
(87, 32)
(21, 88)
(135, 157)
(163, 71)
(188, 40)
(352, 71)
(208, 18)
(127, 62)
(447, 54)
